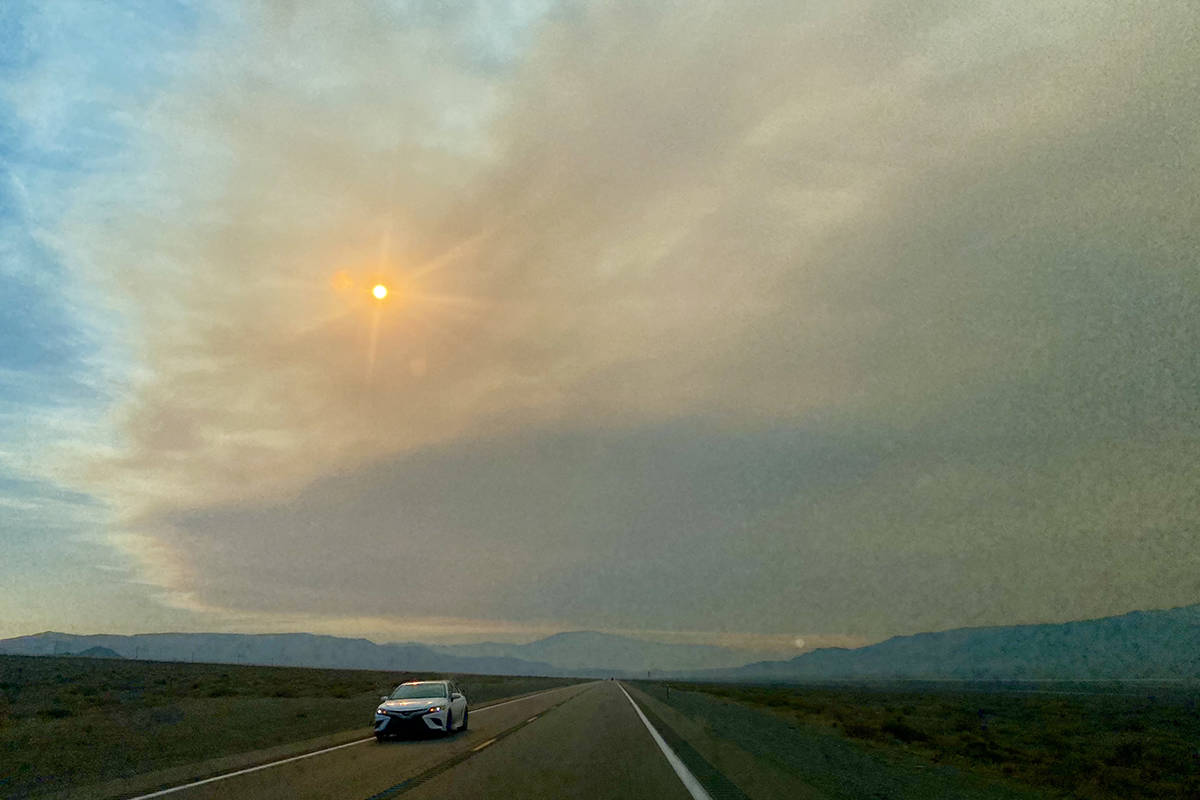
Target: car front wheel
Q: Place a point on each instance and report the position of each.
(466, 716)
(449, 722)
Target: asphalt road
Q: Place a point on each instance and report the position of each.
(582, 741)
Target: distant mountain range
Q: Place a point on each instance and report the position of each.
(1141, 644)
(580, 653)
(605, 652)
(281, 649)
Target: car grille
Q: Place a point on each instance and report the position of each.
(407, 714)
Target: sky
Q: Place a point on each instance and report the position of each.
(779, 325)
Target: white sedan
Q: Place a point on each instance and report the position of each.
(421, 707)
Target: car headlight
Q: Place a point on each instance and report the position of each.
(434, 709)
(381, 710)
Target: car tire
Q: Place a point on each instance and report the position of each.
(466, 716)
(449, 722)
(379, 737)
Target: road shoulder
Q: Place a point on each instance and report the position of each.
(795, 760)
(750, 777)
(185, 773)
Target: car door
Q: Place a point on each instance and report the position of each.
(458, 701)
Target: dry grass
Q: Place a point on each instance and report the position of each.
(1123, 742)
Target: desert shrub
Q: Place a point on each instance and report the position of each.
(858, 730)
(903, 731)
(56, 712)
(1127, 754)
(981, 750)
(1132, 724)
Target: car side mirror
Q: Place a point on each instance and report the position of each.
(383, 697)
(456, 696)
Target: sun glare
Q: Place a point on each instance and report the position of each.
(380, 291)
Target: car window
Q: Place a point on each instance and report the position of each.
(410, 691)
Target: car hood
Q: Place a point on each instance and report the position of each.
(418, 702)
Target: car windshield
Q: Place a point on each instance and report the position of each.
(409, 691)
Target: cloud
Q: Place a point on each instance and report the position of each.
(837, 247)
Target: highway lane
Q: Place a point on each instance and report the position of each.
(593, 747)
(360, 771)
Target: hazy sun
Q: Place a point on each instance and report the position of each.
(380, 291)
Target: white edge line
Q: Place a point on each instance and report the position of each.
(481, 746)
(248, 770)
(689, 780)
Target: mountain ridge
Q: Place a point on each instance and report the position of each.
(1143, 644)
(275, 649)
(571, 653)
(595, 650)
